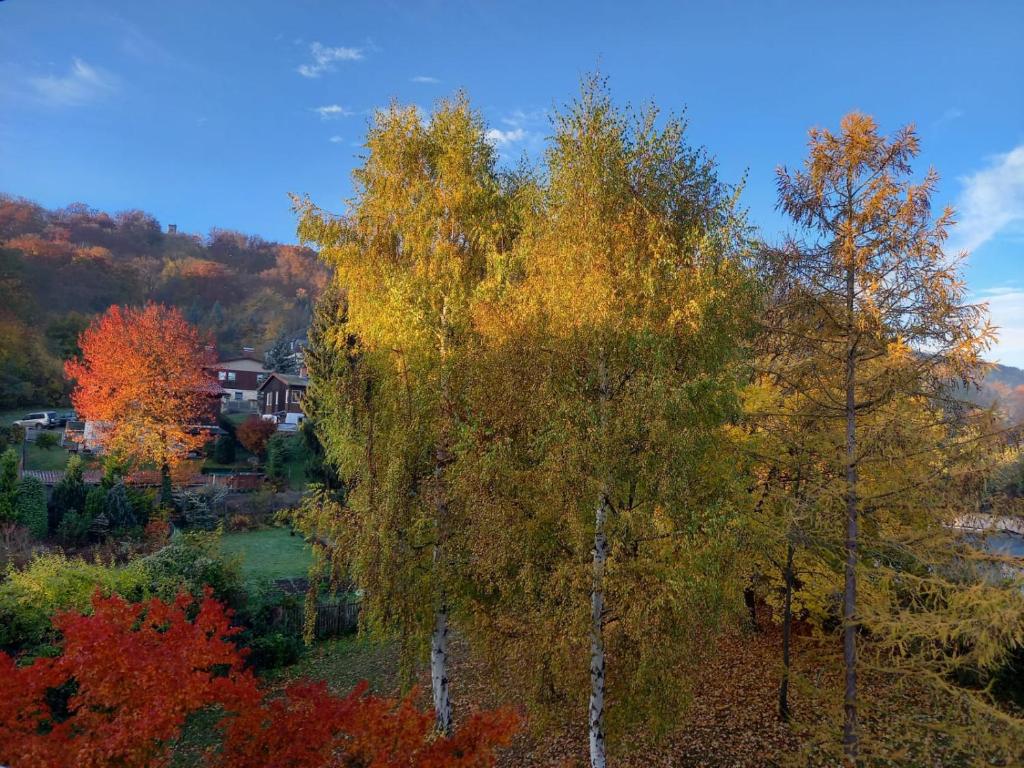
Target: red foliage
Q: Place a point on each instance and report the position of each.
(134, 672)
(254, 433)
(137, 669)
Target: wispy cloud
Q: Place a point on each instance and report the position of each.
(324, 58)
(1006, 307)
(82, 84)
(948, 116)
(336, 139)
(500, 138)
(992, 201)
(332, 111)
(425, 79)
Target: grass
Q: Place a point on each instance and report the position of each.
(42, 458)
(344, 661)
(269, 554)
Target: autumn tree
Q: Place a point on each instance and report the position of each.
(885, 317)
(598, 463)
(409, 254)
(143, 377)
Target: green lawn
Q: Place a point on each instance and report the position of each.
(269, 554)
(41, 458)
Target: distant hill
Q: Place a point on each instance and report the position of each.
(1004, 386)
(58, 268)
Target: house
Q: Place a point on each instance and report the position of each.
(281, 394)
(241, 378)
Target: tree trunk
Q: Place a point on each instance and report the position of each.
(850, 592)
(787, 629)
(595, 723)
(439, 672)
(596, 711)
(166, 496)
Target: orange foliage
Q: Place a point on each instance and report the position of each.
(142, 372)
(140, 669)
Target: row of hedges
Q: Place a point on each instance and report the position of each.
(191, 562)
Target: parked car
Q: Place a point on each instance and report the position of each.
(291, 422)
(39, 420)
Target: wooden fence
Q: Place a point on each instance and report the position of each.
(332, 619)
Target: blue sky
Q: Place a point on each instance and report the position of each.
(209, 113)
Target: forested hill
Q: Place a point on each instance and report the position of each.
(1004, 385)
(58, 268)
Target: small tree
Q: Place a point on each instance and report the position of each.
(199, 506)
(118, 509)
(224, 450)
(30, 506)
(279, 357)
(8, 484)
(254, 433)
(68, 495)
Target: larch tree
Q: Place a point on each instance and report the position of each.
(889, 323)
(408, 255)
(597, 461)
(143, 375)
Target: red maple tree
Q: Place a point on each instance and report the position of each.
(130, 674)
(143, 375)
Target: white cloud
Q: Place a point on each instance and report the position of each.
(324, 58)
(83, 83)
(336, 139)
(1006, 307)
(500, 138)
(992, 201)
(948, 116)
(332, 111)
(425, 79)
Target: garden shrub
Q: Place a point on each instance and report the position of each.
(30, 506)
(47, 440)
(118, 509)
(55, 582)
(274, 650)
(68, 495)
(199, 507)
(192, 561)
(224, 450)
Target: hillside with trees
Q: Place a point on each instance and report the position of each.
(59, 268)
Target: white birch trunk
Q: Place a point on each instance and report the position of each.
(596, 712)
(439, 672)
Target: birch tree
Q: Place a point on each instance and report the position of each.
(598, 463)
(408, 255)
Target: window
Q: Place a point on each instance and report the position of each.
(231, 375)
(238, 395)
(295, 395)
(221, 375)
(260, 378)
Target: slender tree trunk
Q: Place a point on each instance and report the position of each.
(600, 556)
(439, 637)
(439, 671)
(787, 630)
(596, 711)
(850, 737)
(165, 485)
